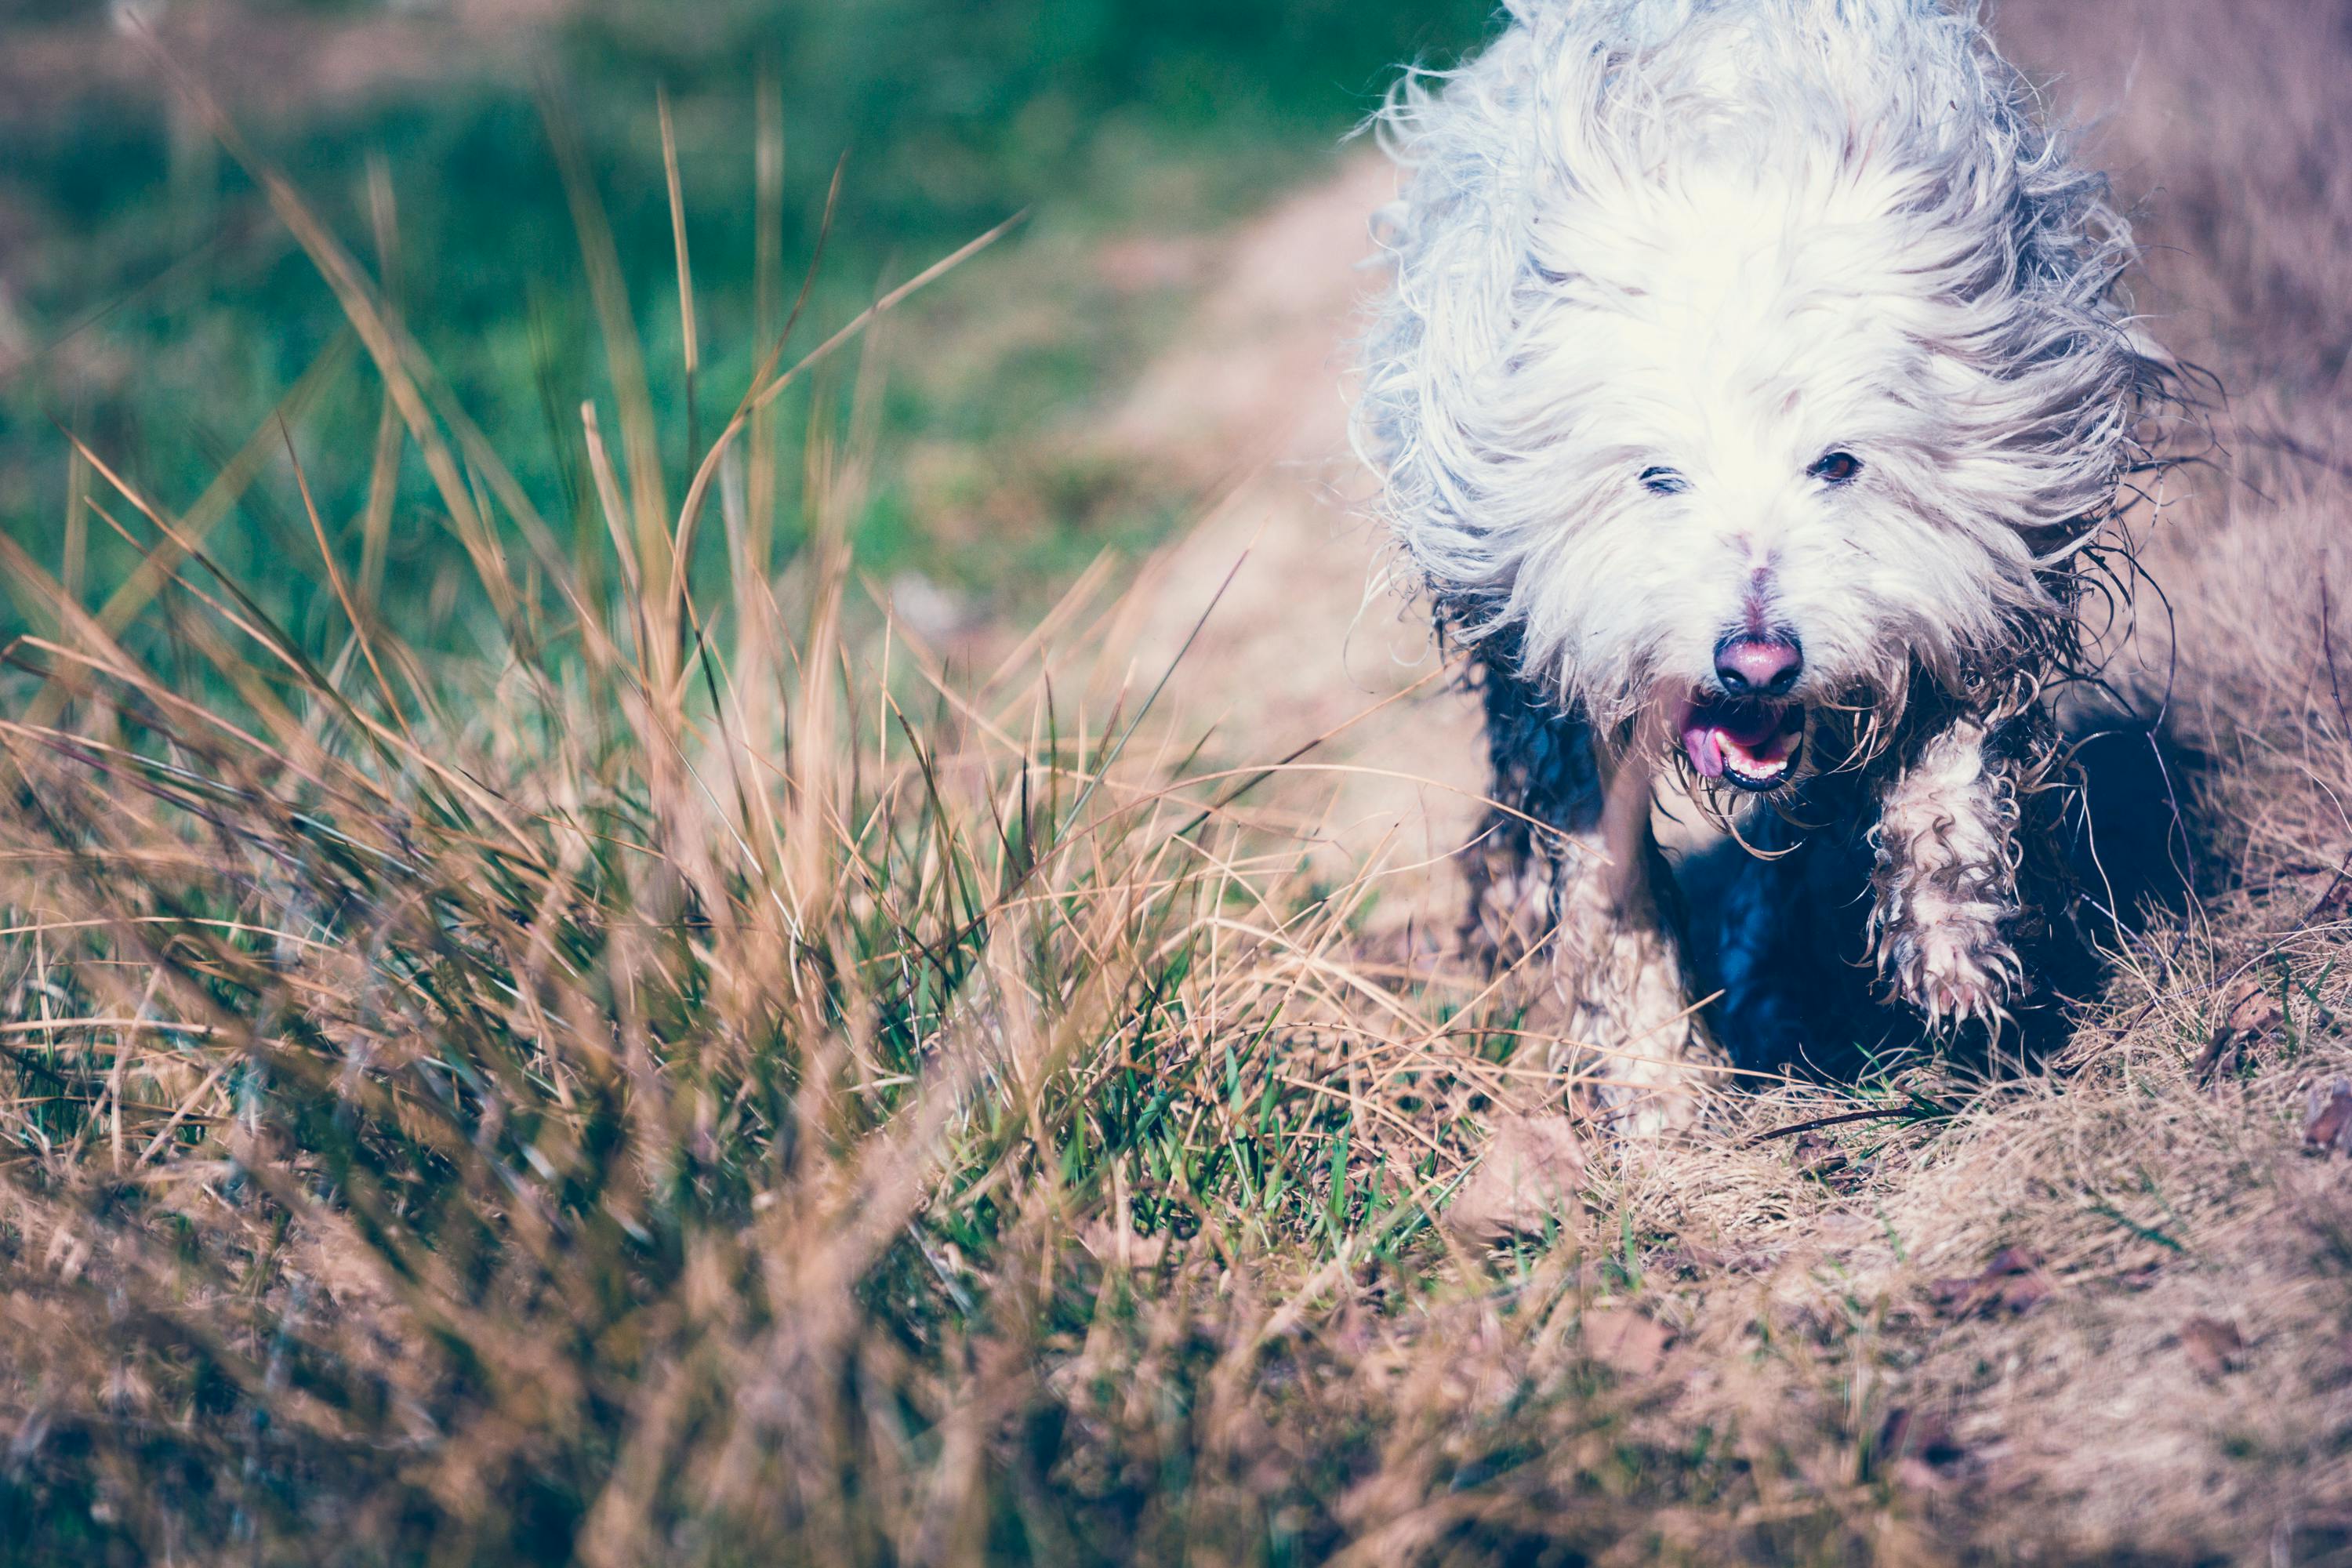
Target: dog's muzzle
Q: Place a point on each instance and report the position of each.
(1747, 730)
(1749, 743)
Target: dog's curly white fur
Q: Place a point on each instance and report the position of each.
(1753, 376)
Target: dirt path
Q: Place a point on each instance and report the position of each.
(1302, 641)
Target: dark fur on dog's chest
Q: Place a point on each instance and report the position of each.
(1774, 923)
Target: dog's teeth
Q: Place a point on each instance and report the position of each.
(1752, 766)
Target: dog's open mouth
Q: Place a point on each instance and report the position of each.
(1751, 744)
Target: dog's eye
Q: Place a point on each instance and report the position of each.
(1835, 468)
(1663, 482)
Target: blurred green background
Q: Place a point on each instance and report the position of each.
(149, 300)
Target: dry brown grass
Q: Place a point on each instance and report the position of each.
(706, 1085)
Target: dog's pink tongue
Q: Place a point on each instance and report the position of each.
(1703, 745)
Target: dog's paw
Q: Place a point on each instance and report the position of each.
(1643, 1060)
(1955, 967)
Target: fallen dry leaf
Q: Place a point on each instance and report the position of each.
(2327, 1117)
(2210, 1344)
(1820, 1158)
(2333, 898)
(2249, 1012)
(2012, 1284)
(1816, 1155)
(1920, 1447)
(1530, 1174)
(2252, 1009)
(1624, 1341)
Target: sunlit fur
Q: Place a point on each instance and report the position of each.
(1724, 238)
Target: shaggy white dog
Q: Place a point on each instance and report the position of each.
(1752, 394)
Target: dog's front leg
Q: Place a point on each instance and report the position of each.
(1627, 1029)
(1567, 875)
(1619, 965)
(1946, 879)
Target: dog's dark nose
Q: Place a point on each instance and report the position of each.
(1759, 666)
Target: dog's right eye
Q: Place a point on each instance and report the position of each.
(1663, 482)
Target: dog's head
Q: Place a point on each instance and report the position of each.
(1746, 362)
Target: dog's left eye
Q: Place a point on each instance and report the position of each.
(1663, 482)
(1835, 468)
